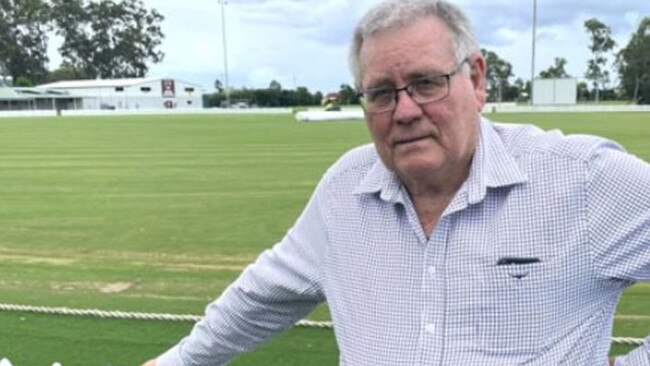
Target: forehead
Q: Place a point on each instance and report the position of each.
(424, 45)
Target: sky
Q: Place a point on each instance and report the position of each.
(305, 42)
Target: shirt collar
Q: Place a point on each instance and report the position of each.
(381, 179)
(492, 166)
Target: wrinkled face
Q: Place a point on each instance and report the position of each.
(417, 141)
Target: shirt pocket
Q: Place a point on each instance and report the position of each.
(513, 312)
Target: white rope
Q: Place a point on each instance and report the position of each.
(314, 324)
(99, 313)
(627, 340)
(184, 317)
(116, 314)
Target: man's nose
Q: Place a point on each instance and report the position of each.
(406, 109)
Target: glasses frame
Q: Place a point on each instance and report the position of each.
(408, 88)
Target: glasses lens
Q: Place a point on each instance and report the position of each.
(380, 100)
(424, 90)
(430, 89)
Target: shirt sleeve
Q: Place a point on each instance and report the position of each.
(281, 287)
(618, 213)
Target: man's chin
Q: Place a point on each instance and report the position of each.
(413, 167)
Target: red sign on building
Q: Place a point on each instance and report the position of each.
(168, 88)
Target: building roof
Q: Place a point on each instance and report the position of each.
(7, 93)
(23, 93)
(101, 83)
(28, 91)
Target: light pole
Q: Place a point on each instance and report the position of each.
(225, 51)
(532, 59)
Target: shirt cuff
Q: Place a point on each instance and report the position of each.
(172, 357)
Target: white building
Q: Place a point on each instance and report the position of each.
(137, 93)
(555, 91)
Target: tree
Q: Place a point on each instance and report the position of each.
(303, 97)
(23, 82)
(272, 96)
(106, 38)
(347, 95)
(556, 70)
(23, 39)
(514, 91)
(65, 72)
(317, 98)
(288, 98)
(218, 86)
(522, 88)
(497, 74)
(601, 43)
(634, 64)
(583, 91)
(212, 100)
(275, 85)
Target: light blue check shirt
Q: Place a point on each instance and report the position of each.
(525, 266)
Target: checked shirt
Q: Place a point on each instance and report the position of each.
(525, 266)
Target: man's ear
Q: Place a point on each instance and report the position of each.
(478, 68)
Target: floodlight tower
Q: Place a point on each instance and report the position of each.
(225, 52)
(532, 59)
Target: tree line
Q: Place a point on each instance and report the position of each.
(631, 63)
(101, 39)
(275, 96)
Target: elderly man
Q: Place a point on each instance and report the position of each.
(451, 240)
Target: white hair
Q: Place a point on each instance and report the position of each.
(400, 13)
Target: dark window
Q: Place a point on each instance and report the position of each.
(119, 88)
(189, 90)
(145, 89)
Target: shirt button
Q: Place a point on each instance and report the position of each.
(432, 270)
(430, 328)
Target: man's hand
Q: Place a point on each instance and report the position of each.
(150, 363)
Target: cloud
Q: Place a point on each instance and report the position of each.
(294, 42)
(505, 27)
(305, 42)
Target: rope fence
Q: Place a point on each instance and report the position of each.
(116, 314)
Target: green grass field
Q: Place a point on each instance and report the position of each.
(160, 213)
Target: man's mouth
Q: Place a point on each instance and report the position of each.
(410, 139)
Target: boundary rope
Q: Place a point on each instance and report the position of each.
(116, 314)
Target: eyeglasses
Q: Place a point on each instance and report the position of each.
(424, 90)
